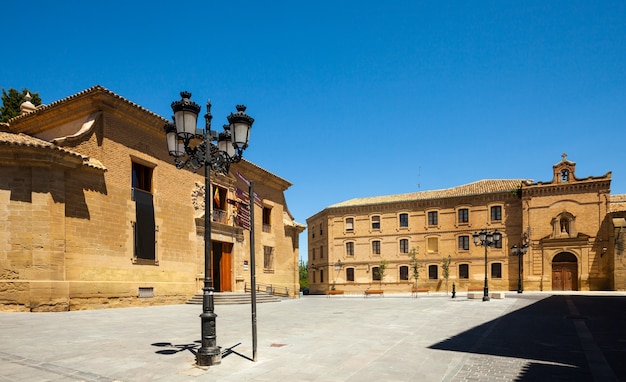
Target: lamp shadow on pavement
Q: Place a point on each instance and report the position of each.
(544, 336)
(193, 348)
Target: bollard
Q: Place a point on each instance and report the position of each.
(453, 290)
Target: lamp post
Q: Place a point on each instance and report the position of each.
(519, 251)
(486, 239)
(192, 148)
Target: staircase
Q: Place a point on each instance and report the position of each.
(230, 298)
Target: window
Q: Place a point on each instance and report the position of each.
(376, 247)
(464, 243)
(350, 248)
(375, 222)
(375, 274)
(432, 272)
(349, 224)
(432, 245)
(463, 215)
(321, 252)
(314, 278)
(433, 218)
(564, 176)
(219, 205)
(404, 220)
(142, 177)
(496, 213)
(144, 226)
(404, 273)
(463, 271)
(321, 229)
(313, 250)
(497, 244)
(321, 275)
(267, 219)
(496, 270)
(268, 258)
(350, 274)
(404, 245)
(313, 231)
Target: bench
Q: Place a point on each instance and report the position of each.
(373, 291)
(415, 291)
(334, 292)
(495, 295)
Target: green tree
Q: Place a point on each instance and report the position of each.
(445, 267)
(304, 274)
(12, 100)
(382, 268)
(415, 264)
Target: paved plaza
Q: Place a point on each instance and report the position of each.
(528, 337)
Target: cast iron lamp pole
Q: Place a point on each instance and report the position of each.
(519, 251)
(486, 239)
(193, 149)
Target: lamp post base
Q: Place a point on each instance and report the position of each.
(210, 357)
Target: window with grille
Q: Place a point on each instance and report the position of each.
(433, 272)
(404, 220)
(268, 258)
(350, 274)
(375, 222)
(349, 224)
(463, 215)
(463, 271)
(376, 274)
(376, 247)
(433, 218)
(404, 245)
(464, 243)
(496, 213)
(404, 272)
(496, 270)
(350, 248)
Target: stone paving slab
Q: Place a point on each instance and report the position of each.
(398, 338)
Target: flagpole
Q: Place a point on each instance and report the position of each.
(252, 270)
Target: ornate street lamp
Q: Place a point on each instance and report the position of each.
(519, 251)
(486, 239)
(194, 148)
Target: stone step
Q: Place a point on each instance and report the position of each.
(228, 298)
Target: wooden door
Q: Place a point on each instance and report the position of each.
(226, 268)
(564, 276)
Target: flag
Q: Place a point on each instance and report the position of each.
(216, 198)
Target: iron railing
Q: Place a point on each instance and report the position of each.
(268, 288)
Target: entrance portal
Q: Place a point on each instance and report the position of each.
(565, 272)
(222, 267)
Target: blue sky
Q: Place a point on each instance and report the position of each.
(355, 98)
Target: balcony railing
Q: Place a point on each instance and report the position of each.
(220, 216)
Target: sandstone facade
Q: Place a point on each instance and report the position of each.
(78, 178)
(571, 226)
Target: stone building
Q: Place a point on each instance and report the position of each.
(571, 228)
(93, 213)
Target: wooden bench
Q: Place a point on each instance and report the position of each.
(415, 291)
(334, 292)
(373, 291)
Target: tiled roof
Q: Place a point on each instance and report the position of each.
(617, 203)
(93, 89)
(481, 187)
(23, 140)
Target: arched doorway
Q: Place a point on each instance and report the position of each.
(565, 272)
